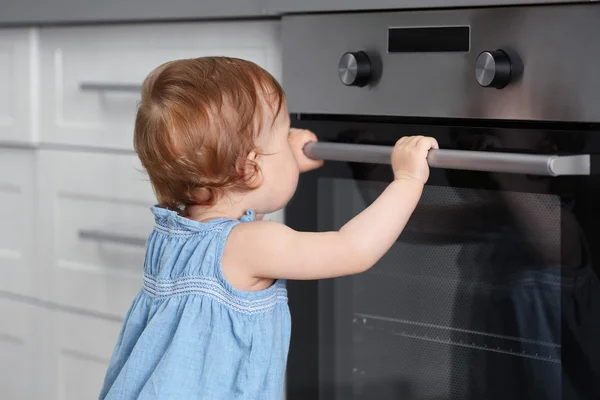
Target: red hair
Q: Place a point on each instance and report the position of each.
(197, 122)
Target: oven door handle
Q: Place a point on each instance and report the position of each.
(527, 164)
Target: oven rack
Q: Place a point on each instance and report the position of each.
(450, 336)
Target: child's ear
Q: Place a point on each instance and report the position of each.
(250, 170)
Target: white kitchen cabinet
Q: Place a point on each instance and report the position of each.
(90, 76)
(75, 211)
(18, 77)
(77, 355)
(19, 345)
(18, 267)
(95, 216)
(50, 354)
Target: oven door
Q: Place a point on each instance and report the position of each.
(491, 292)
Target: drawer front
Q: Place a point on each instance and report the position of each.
(18, 351)
(95, 218)
(18, 270)
(17, 77)
(91, 75)
(77, 355)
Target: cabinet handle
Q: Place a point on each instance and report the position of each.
(106, 237)
(110, 87)
(529, 164)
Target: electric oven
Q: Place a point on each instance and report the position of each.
(492, 291)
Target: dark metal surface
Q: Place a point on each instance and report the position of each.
(493, 69)
(554, 64)
(491, 291)
(354, 69)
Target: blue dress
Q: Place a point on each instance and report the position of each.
(189, 334)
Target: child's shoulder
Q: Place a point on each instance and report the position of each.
(246, 246)
(254, 236)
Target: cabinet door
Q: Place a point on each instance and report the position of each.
(19, 358)
(91, 76)
(95, 217)
(77, 354)
(17, 243)
(17, 88)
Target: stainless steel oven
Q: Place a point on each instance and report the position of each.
(492, 290)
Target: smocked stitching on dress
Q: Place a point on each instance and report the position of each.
(185, 233)
(213, 289)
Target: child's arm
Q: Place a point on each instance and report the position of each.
(270, 250)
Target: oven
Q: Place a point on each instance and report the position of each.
(492, 291)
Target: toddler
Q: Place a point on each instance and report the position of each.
(211, 321)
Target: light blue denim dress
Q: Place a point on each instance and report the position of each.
(189, 334)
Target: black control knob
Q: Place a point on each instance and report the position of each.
(493, 69)
(355, 69)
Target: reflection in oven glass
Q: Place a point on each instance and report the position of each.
(471, 302)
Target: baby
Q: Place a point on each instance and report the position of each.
(212, 321)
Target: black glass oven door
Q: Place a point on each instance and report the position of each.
(491, 292)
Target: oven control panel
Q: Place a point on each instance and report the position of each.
(492, 69)
(446, 63)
